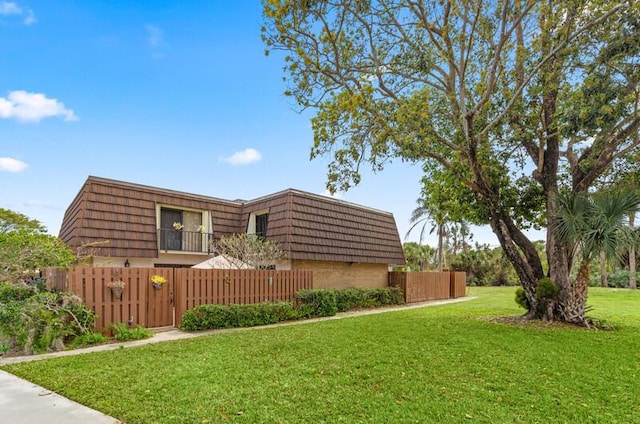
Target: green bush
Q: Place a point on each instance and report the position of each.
(205, 317)
(311, 303)
(521, 298)
(44, 321)
(317, 302)
(123, 333)
(546, 290)
(14, 292)
(363, 297)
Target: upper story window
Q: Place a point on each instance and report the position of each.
(261, 225)
(182, 230)
(258, 223)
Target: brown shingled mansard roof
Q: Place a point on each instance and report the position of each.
(306, 225)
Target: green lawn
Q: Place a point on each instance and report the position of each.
(439, 364)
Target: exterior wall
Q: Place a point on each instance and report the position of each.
(163, 258)
(343, 274)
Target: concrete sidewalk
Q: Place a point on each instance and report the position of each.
(26, 403)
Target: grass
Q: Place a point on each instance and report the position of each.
(428, 365)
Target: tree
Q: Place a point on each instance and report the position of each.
(244, 250)
(25, 247)
(418, 256)
(511, 101)
(589, 225)
(423, 214)
(13, 221)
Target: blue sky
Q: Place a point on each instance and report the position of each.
(164, 93)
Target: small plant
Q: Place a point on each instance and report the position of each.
(87, 340)
(200, 229)
(123, 333)
(158, 279)
(119, 284)
(4, 348)
(177, 226)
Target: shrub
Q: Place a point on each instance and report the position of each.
(44, 321)
(206, 317)
(546, 290)
(521, 298)
(317, 302)
(123, 333)
(14, 292)
(363, 297)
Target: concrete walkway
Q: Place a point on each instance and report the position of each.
(24, 402)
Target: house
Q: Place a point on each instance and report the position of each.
(129, 224)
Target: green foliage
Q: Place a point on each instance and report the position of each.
(14, 221)
(485, 266)
(27, 250)
(618, 278)
(15, 292)
(123, 333)
(317, 302)
(362, 297)
(419, 257)
(521, 299)
(87, 339)
(311, 303)
(45, 321)
(205, 317)
(546, 290)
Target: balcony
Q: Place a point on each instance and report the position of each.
(185, 241)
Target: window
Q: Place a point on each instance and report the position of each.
(181, 230)
(258, 223)
(261, 225)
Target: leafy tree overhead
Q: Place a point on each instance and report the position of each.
(25, 247)
(508, 102)
(12, 221)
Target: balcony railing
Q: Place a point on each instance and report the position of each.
(185, 241)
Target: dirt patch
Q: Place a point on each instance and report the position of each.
(521, 321)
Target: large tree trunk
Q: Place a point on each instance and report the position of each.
(522, 255)
(632, 256)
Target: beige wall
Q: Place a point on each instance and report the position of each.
(342, 274)
(164, 258)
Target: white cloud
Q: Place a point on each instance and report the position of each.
(154, 35)
(10, 8)
(244, 157)
(12, 165)
(32, 107)
(30, 18)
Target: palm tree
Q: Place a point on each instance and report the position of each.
(424, 214)
(590, 224)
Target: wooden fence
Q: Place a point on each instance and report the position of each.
(142, 304)
(224, 287)
(423, 286)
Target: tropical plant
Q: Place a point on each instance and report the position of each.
(588, 225)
